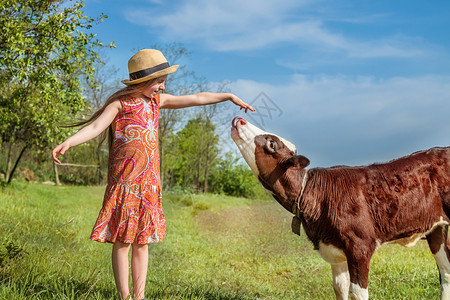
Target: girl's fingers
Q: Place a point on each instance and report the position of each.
(63, 150)
(247, 107)
(59, 150)
(242, 104)
(54, 154)
(55, 157)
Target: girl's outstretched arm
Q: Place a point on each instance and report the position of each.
(89, 132)
(170, 101)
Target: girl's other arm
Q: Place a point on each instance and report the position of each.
(89, 132)
(170, 101)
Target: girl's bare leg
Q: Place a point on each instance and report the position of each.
(139, 266)
(120, 267)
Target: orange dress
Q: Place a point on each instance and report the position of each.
(132, 210)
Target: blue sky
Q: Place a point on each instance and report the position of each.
(348, 82)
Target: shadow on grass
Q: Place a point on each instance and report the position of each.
(193, 292)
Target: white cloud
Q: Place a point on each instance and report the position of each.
(249, 25)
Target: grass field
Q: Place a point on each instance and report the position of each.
(217, 247)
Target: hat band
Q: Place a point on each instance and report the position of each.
(149, 71)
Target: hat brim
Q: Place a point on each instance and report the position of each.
(157, 74)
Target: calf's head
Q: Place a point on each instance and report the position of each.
(268, 155)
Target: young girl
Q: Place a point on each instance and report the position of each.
(132, 213)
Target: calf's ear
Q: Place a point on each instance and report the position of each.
(296, 162)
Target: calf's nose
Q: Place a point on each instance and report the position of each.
(238, 121)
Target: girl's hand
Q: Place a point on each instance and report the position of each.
(236, 100)
(60, 150)
(91, 131)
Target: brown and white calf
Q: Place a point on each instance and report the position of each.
(347, 212)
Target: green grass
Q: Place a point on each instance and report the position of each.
(217, 247)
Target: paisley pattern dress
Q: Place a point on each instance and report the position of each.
(132, 210)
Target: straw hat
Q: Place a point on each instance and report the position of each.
(147, 64)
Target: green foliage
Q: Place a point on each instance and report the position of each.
(191, 154)
(236, 179)
(198, 207)
(9, 251)
(44, 46)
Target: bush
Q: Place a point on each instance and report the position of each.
(235, 179)
(27, 174)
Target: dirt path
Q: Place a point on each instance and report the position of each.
(245, 221)
(265, 229)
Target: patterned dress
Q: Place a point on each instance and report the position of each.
(132, 210)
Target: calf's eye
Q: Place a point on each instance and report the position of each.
(272, 145)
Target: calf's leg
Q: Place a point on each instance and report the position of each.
(341, 280)
(358, 266)
(440, 247)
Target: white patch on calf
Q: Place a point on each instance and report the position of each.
(357, 292)
(287, 144)
(331, 254)
(444, 269)
(341, 280)
(246, 143)
(247, 148)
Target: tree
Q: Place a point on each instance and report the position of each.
(96, 96)
(43, 47)
(189, 166)
(181, 82)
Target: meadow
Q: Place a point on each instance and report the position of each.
(217, 247)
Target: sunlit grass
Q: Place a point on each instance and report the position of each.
(217, 247)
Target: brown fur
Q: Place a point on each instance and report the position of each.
(354, 208)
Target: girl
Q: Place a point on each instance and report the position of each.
(132, 213)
